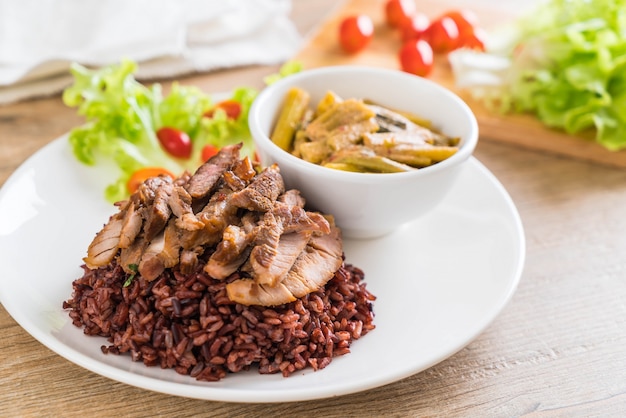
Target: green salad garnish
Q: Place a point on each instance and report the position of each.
(568, 67)
(123, 117)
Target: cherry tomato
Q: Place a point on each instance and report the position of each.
(442, 35)
(208, 151)
(398, 13)
(143, 174)
(466, 21)
(416, 57)
(175, 142)
(476, 40)
(415, 27)
(232, 109)
(355, 33)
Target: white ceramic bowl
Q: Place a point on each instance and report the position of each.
(368, 205)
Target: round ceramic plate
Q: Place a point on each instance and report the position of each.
(439, 282)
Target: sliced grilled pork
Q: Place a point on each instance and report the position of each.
(234, 181)
(292, 197)
(262, 192)
(317, 264)
(151, 265)
(132, 223)
(206, 178)
(180, 202)
(246, 223)
(215, 217)
(189, 260)
(130, 257)
(158, 213)
(244, 169)
(270, 264)
(295, 218)
(104, 246)
(170, 255)
(231, 252)
(314, 267)
(147, 190)
(249, 292)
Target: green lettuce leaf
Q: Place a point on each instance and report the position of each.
(220, 131)
(123, 115)
(569, 68)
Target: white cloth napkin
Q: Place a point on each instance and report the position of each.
(39, 39)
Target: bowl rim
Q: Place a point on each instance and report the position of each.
(465, 150)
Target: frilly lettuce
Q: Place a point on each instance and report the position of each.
(122, 116)
(566, 63)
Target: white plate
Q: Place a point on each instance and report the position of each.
(440, 281)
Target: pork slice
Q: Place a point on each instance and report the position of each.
(189, 222)
(270, 265)
(313, 268)
(250, 221)
(234, 181)
(282, 234)
(151, 265)
(295, 218)
(190, 239)
(265, 248)
(183, 179)
(105, 245)
(132, 223)
(130, 257)
(207, 176)
(147, 190)
(331, 243)
(189, 260)
(262, 191)
(215, 217)
(158, 213)
(314, 222)
(230, 253)
(244, 169)
(248, 292)
(170, 254)
(292, 197)
(316, 265)
(180, 203)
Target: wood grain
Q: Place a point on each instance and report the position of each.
(518, 129)
(557, 350)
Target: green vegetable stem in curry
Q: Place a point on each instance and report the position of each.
(356, 135)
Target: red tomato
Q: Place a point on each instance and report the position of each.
(175, 142)
(398, 13)
(143, 174)
(416, 57)
(466, 21)
(355, 33)
(415, 27)
(231, 107)
(475, 40)
(208, 151)
(442, 35)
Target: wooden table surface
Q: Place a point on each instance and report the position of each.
(557, 349)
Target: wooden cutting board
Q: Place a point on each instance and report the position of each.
(322, 49)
